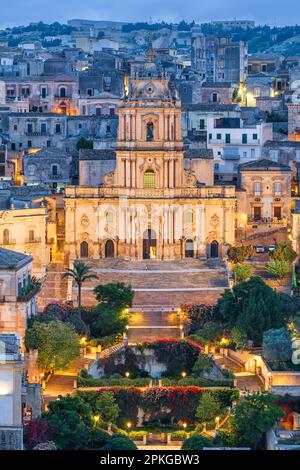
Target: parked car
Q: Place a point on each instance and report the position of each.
(260, 249)
(271, 248)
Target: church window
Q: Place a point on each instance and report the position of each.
(150, 132)
(149, 179)
(109, 217)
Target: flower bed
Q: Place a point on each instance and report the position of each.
(179, 403)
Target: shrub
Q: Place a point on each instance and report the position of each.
(284, 252)
(279, 268)
(242, 272)
(277, 345)
(97, 438)
(239, 254)
(197, 443)
(137, 435)
(61, 310)
(178, 436)
(120, 443)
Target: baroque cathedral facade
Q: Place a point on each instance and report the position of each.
(151, 198)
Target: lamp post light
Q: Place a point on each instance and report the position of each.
(183, 374)
(96, 419)
(184, 425)
(128, 425)
(127, 374)
(217, 420)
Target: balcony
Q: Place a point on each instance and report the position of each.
(37, 134)
(56, 177)
(26, 293)
(266, 220)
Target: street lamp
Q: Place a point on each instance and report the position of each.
(96, 419)
(183, 374)
(128, 424)
(127, 374)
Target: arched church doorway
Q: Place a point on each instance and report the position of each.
(189, 249)
(109, 249)
(149, 244)
(84, 250)
(214, 249)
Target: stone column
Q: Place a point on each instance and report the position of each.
(133, 173)
(127, 173)
(171, 175)
(166, 174)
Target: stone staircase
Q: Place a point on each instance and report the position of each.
(160, 288)
(158, 284)
(55, 287)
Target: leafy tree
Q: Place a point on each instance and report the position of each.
(210, 333)
(116, 295)
(107, 407)
(242, 272)
(253, 417)
(197, 443)
(108, 321)
(57, 344)
(120, 443)
(97, 438)
(239, 254)
(277, 345)
(80, 273)
(238, 337)
(284, 252)
(209, 407)
(70, 421)
(253, 307)
(110, 316)
(202, 364)
(83, 143)
(279, 268)
(199, 315)
(60, 310)
(79, 325)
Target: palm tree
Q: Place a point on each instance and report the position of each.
(80, 273)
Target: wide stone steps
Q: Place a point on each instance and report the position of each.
(55, 287)
(139, 334)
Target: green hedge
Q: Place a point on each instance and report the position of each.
(179, 436)
(112, 381)
(137, 435)
(198, 382)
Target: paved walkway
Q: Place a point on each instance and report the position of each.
(246, 381)
(62, 382)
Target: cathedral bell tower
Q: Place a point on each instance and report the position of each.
(150, 148)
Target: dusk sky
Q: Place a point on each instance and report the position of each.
(20, 12)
